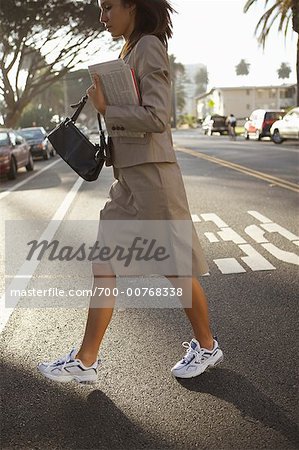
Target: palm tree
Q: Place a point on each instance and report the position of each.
(284, 71)
(242, 68)
(201, 80)
(283, 11)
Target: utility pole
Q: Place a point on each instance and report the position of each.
(173, 91)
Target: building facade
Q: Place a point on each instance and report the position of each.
(241, 101)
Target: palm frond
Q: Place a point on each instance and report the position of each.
(281, 9)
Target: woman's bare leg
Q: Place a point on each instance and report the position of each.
(198, 313)
(99, 316)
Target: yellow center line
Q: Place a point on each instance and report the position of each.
(254, 173)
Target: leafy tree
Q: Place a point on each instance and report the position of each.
(34, 115)
(283, 12)
(43, 107)
(284, 71)
(201, 80)
(242, 68)
(41, 41)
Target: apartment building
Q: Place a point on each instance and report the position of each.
(241, 101)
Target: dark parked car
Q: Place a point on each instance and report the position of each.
(215, 124)
(259, 123)
(39, 143)
(14, 153)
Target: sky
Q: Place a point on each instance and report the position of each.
(218, 34)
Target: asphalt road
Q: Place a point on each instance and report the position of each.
(244, 200)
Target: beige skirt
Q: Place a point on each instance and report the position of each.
(151, 191)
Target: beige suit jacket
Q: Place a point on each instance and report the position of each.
(151, 65)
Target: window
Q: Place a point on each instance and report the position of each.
(3, 139)
(12, 137)
(289, 92)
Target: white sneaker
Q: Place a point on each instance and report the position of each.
(197, 360)
(68, 368)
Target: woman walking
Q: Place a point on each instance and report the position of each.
(148, 183)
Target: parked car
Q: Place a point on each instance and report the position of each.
(286, 128)
(215, 123)
(14, 153)
(39, 143)
(259, 123)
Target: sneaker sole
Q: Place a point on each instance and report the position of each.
(66, 379)
(203, 368)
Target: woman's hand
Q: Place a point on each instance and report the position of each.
(95, 93)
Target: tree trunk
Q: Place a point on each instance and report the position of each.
(12, 118)
(14, 113)
(295, 20)
(298, 71)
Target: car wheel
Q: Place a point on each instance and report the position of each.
(276, 138)
(30, 165)
(12, 174)
(46, 154)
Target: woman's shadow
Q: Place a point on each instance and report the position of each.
(41, 414)
(250, 401)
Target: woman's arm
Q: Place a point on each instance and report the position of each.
(152, 69)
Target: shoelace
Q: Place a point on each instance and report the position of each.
(62, 361)
(191, 352)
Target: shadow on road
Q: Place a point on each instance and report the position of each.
(41, 414)
(250, 401)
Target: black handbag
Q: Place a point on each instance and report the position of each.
(84, 157)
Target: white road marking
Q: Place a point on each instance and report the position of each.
(195, 218)
(228, 234)
(259, 217)
(211, 237)
(282, 255)
(275, 228)
(211, 217)
(22, 276)
(16, 186)
(256, 234)
(255, 260)
(22, 279)
(229, 265)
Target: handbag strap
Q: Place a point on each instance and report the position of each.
(80, 105)
(104, 147)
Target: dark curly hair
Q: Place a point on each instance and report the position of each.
(152, 17)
